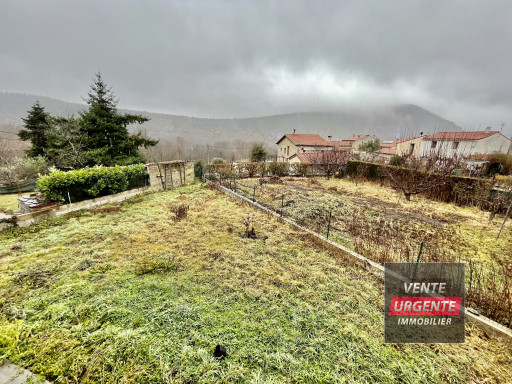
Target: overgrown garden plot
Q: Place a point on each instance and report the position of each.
(132, 293)
(381, 225)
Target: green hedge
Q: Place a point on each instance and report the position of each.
(88, 182)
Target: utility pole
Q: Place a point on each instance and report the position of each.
(208, 151)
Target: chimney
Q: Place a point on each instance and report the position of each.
(488, 129)
(294, 131)
(330, 138)
(421, 134)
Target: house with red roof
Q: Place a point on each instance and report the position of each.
(293, 143)
(353, 142)
(465, 143)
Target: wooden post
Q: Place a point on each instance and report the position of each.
(504, 220)
(161, 177)
(329, 225)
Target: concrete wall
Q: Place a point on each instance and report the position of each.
(171, 176)
(362, 140)
(285, 149)
(496, 143)
(404, 148)
(24, 220)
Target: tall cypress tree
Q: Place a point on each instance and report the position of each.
(36, 126)
(107, 140)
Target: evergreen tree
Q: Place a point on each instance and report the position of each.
(107, 140)
(370, 146)
(36, 127)
(258, 153)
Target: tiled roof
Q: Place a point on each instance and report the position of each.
(311, 140)
(387, 151)
(342, 143)
(355, 137)
(476, 135)
(309, 157)
(389, 144)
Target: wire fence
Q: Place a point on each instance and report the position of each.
(381, 239)
(371, 236)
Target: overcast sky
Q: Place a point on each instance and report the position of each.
(251, 58)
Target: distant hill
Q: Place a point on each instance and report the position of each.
(387, 122)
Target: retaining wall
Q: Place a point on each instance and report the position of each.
(27, 219)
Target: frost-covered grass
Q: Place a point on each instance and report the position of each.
(125, 293)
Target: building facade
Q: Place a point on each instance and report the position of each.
(293, 143)
(464, 144)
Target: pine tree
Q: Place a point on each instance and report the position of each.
(36, 127)
(107, 140)
(258, 153)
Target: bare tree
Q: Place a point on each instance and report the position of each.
(330, 162)
(423, 174)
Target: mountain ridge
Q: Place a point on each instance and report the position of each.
(386, 122)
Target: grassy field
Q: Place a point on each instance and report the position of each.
(126, 293)
(447, 231)
(380, 224)
(8, 203)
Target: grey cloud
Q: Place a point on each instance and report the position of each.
(212, 58)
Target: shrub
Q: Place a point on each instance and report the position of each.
(89, 182)
(258, 153)
(198, 169)
(218, 160)
(220, 171)
(278, 169)
(396, 160)
(300, 169)
(180, 211)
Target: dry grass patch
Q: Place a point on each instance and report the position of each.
(136, 297)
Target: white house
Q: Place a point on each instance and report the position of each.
(293, 143)
(465, 143)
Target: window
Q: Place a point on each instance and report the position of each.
(434, 144)
(455, 145)
(411, 149)
(288, 151)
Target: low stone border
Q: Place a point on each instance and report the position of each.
(489, 326)
(26, 219)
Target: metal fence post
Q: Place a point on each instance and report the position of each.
(254, 194)
(329, 225)
(417, 261)
(282, 205)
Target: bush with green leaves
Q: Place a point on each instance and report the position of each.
(198, 169)
(218, 160)
(396, 160)
(93, 182)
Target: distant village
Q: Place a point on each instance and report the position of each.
(474, 148)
